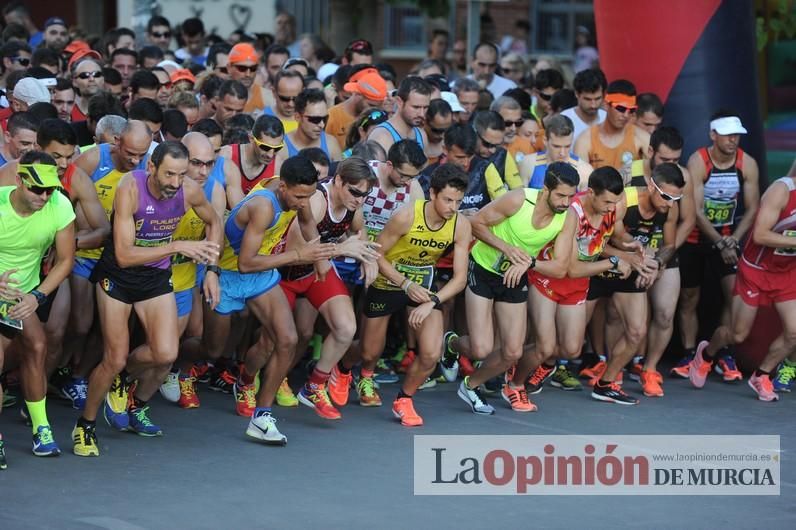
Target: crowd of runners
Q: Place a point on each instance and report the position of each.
(175, 218)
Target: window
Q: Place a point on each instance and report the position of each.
(407, 28)
(555, 23)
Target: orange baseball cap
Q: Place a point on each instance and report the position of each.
(76, 45)
(243, 52)
(371, 85)
(82, 54)
(183, 74)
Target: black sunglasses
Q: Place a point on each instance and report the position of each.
(317, 120)
(621, 109)
(439, 130)
(39, 190)
(158, 35)
(374, 118)
(89, 75)
(546, 97)
(23, 61)
(517, 123)
(487, 145)
(286, 99)
(241, 68)
(357, 193)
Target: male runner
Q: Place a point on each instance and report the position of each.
(134, 273)
(19, 138)
(312, 114)
(589, 88)
(412, 100)
(558, 148)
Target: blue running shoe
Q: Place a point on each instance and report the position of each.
(385, 375)
(141, 424)
(786, 375)
(76, 390)
(118, 420)
(44, 443)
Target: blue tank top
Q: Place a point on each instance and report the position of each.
(3, 160)
(105, 163)
(292, 151)
(231, 229)
(537, 177)
(217, 175)
(397, 137)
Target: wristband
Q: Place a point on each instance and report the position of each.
(214, 268)
(719, 244)
(408, 283)
(40, 296)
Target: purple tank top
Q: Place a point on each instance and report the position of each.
(155, 219)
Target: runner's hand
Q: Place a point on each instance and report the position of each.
(517, 256)
(513, 276)
(419, 314)
(7, 292)
(313, 251)
(24, 308)
(624, 269)
(729, 254)
(418, 293)
(360, 249)
(202, 252)
(212, 290)
(368, 272)
(322, 268)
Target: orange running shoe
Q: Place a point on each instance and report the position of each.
(517, 398)
(368, 397)
(406, 362)
(539, 377)
(592, 371)
(188, 398)
(339, 386)
(465, 366)
(727, 369)
(764, 388)
(404, 410)
(700, 367)
(315, 397)
(245, 401)
(652, 383)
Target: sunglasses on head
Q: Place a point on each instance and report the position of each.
(359, 45)
(89, 75)
(665, 196)
(359, 194)
(622, 109)
(546, 97)
(374, 118)
(23, 61)
(158, 35)
(39, 190)
(286, 99)
(317, 120)
(266, 147)
(242, 69)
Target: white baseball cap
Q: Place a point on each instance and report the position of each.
(727, 125)
(31, 90)
(451, 99)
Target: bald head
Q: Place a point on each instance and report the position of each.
(133, 145)
(201, 156)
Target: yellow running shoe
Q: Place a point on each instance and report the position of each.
(85, 441)
(285, 396)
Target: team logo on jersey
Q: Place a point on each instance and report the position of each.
(150, 209)
(138, 224)
(433, 243)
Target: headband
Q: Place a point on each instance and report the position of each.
(621, 99)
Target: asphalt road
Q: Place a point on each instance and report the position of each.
(357, 473)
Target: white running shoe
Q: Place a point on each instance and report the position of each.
(263, 428)
(170, 389)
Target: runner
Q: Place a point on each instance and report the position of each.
(134, 273)
(438, 120)
(589, 88)
(368, 91)
(643, 213)
(34, 215)
(727, 195)
(312, 115)
(511, 233)
(412, 242)
(766, 276)
(558, 148)
(287, 86)
(413, 97)
(19, 138)
(649, 115)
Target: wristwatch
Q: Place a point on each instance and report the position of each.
(614, 262)
(436, 300)
(40, 296)
(214, 268)
(533, 263)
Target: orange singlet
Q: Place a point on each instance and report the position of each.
(600, 155)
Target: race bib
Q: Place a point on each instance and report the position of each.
(720, 213)
(787, 251)
(151, 243)
(5, 307)
(502, 264)
(421, 275)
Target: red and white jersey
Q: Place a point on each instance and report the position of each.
(776, 259)
(379, 207)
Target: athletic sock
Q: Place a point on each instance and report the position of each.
(261, 411)
(364, 373)
(38, 414)
(402, 394)
(86, 424)
(761, 373)
(137, 404)
(318, 377)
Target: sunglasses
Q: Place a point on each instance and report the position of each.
(23, 61)
(622, 109)
(242, 69)
(202, 163)
(89, 75)
(317, 120)
(439, 130)
(164, 35)
(39, 190)
(265, 147)
(374, 118)
(666, 196)
(546, 97)
(357, 194)
(222, 69)
(516, 124)
(487, 145)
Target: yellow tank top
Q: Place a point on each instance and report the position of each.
(106, 192)
(416, 253)
(183, 270)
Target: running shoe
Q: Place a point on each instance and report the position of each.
(430, 382)
(315, 397)
(141, 424)
(783, 382)
(449, 362)
(58, 380)
(115, 406)
(727, 369)
(285, 397)
(25, 415)
(494, 385)
(170, 389)
(44, 443)
(406, 361)
(612, 393)
(223, 382)
(465, 366)
(474, 398)
(764, 388)
(404, 410)
(539, 377)
(9, 400)
(591, 371)
(245, 399)
(339, 386)
(385, 375)
(3, 462)
(76, 390)
(652, 383)
(188, 398)
(618, 380)
(681, 368)
(85, 441)
(564, 379)
(517, 398)
(263, 428)
(201, 371)
(700, 367)
(368, 397)
(634, 372)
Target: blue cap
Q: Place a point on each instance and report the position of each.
(55, 21)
